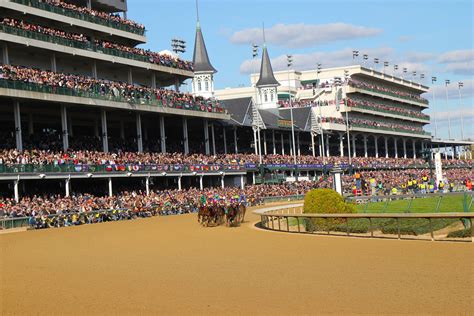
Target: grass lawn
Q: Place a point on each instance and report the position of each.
(407, 226)
(419, 205)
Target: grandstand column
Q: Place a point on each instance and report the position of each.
(17, 117)
(328, 154)
(153, 80)
(179, 183)
(105, 140)
(298, 143)
(404, 148)
(6, 58)
(162, 134)
(264, 142)
(290, 141)
(395, 147)
(242, 185)
(201, 185)
(54, 68)
(222, 181)
(110, 187)
(414, 148)
(15, 189)
(213, 139)
(176, 84)
(139, 132)
(386, 146)
(67, 186)
(236, 149)
(341, 145)
(31, 127)
(274, 142)
(255, 140)
(320, 149)
(122, 129)
(147, 185)
(94, 69)
(206, 137)
(130, 75)
(69, 125)
(312, 145)
(376, 138)
(282, 144)
(185, 136)
(224, 136)
(366, 154)
(89, 4)
(96, 128)
(354, 149)
(65, 131)
(253, 178)
(259, 141)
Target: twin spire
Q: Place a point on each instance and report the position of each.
(200, 57)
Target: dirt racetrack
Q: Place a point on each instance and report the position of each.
(171, 265)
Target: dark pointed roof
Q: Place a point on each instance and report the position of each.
(267, 78)
(200, 57)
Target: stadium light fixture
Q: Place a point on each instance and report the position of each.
(178, 45)
(365, 57)
(447, 82)
(346, 81)
(289, 63)
(433, 80)
(385, 65)
(460, 85)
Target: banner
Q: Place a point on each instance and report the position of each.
(438, 168)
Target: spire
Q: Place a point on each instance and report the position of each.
(267, 78)
(200, 57)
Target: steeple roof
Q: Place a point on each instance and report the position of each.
(267, 78)
(200, 57)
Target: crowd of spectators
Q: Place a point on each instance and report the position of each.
(106, 88)
(354, 102)
(164, 202)
(111, 17)
(152, 57)
(407, 181)
(377, 87)
(89, 157)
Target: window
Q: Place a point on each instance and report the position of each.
(271, 96)
(199, 85)
(206, 85)
(265, 96)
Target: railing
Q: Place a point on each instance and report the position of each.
(85, 46)
(294, 221)
(150, 99)
(399, 130)
(80, 16)
(270, 199)
(392, 94)
(117, 168)
(14, 222)
(366, 200)
(376, 109)
(199, 168)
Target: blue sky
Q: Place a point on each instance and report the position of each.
(430, 37)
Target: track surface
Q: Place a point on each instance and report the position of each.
(171, 265)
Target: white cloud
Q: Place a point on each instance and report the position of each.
(461, 68)
(327, 59)
(303, 35)
(418, 56)
(466, 55)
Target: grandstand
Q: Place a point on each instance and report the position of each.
(84, 107)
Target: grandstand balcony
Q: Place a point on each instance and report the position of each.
(93, 23)
(340, 126)
(15, 36)
(425, 119)
(63, 95)
(387, 95)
